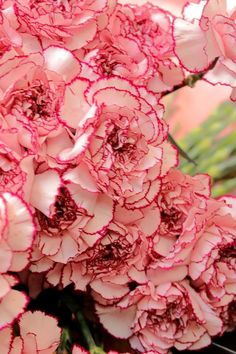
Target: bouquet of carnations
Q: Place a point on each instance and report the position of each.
(92, 204)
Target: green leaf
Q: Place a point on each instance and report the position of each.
(213, 146)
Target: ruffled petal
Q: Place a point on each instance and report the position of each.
(45, 190)
(117, 322)
(11, 307)
(42, 326)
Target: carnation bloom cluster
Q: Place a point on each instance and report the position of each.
(90, 191)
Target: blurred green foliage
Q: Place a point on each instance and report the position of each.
(212, 146)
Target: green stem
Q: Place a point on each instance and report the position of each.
(65, 338)
(85, 330)
(93, 349)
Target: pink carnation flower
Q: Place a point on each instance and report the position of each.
(208, 31)
(117, 259)
(138, 45)
(205, 251)
(118, 55)
(31, 104)
(192, 248)
(153, 28)
(179, 193)
(213, 262)
(33, 89)
(69, 219)
(158, 318)
(179, 197)
(121, 139)
(39, 334)
(69, 22)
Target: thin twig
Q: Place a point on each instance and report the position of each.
(192, 79)
(85, 330)
(226, 350)
(93, 349)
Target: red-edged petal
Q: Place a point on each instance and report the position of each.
(109, 291)
(63, 62)
(102, 215)
(5, 340)
(11, 306)
(21, 228)
(190, 43)
(224, 73)
(74, 107)
(81, 175)
(44, 327)
(115, 321)
(45, 190)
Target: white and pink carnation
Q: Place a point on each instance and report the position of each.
(204, 230)
(207, 32)
(120, 140)
(68, 22)
(162, 317)
(179, 197)
(118, 259)
(138, 45)
(32, 93)
(213, 259)
(154, 27)
(205, 251)
(119, 55)
(179, 193)
(69, 219)
(31, 99)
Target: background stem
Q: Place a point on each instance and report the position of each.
(93, 349)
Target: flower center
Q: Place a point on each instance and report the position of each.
(117, 139)
(37, 105)
(35, 102)
(227, 255)
(122, 144)
(65, 214)
(109, 254)
(171, 221)
(107, 59)
(173, 318)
